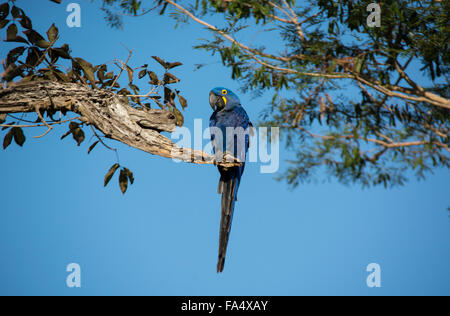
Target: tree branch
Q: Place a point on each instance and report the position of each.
(417, 94)
(107, 112)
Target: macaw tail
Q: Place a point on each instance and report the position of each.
(228, 185)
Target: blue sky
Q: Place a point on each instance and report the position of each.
(161, 238)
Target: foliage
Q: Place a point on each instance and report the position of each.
(37, 57)
(343, 92)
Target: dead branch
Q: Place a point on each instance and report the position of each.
(108, 113)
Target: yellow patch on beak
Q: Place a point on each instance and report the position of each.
(224, 100)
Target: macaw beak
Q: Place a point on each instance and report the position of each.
(217, 102)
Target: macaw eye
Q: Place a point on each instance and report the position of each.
(224, 91)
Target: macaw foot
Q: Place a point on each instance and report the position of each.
(226, 158)
(229, 157)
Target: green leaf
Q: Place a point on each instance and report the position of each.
(19, 136)
(123, 181)
(8, 138)
(111, 173)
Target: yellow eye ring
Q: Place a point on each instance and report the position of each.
(224, 91)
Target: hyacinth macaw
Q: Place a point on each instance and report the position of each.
(228, 113)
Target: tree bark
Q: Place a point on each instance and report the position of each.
(107, 112)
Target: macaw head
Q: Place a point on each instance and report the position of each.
(222, 98)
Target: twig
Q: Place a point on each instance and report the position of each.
(121, 70)
(41, 125)
(103, 143)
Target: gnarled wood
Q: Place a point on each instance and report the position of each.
(107, 112)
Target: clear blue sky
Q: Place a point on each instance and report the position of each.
(161, 238)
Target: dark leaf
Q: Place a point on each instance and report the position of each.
(153, 78)
(123, 181)
(130, 175)
(26, 22)
(14, 54)
(8, 138)
(170, 78)
(35, 57)
(36, 39)
(160, 61)
(111, 173)
(16, 12)
(92, 147)
(11, 35)
(173, 65)
(109, 75)
(4, 11)
(12, 72)
(11, 32)
(124, 91)
(101, 72)
(61, 76)
(78, 135)
(66, 134)
(53, 57)
(169, 96)
(130, 74)
(62, 52)
(142, 73)
(19, 136)
(3, 23)
(179, 116)
(88, 69)
(183, 101)
(6, 127)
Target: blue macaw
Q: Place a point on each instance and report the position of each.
(228, 113)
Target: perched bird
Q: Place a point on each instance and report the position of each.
(230, 122)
